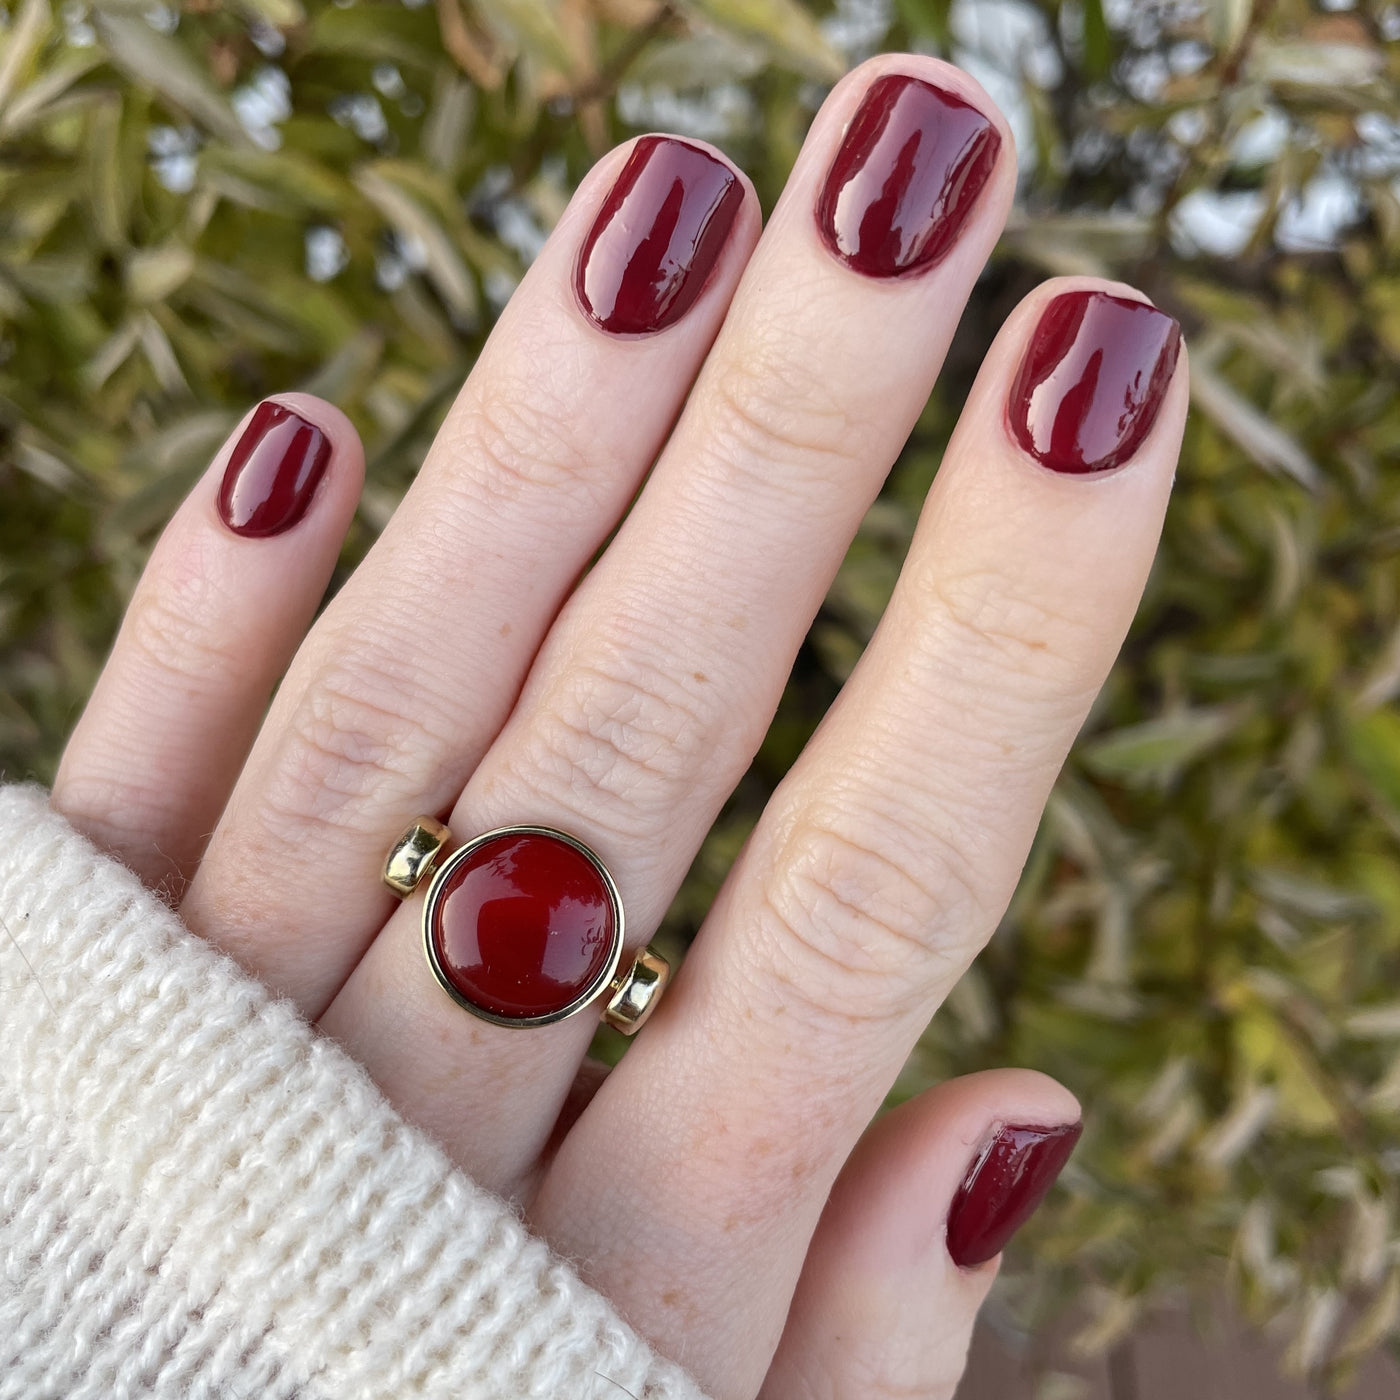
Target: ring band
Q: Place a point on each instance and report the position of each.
(523, 926)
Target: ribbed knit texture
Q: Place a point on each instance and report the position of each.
(202, 1197)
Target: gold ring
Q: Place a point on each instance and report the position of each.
(523, 926)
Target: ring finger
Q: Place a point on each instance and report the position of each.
(414, 665)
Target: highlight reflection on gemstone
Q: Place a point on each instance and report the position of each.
(523, 925)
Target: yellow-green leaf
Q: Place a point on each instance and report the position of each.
(1373, 742)
(443, 262)
(1158, 749)
(166, 67)
(784, 27)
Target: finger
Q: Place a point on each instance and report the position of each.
(658, 682)
(590, 1078)
(888, 855)
(413, 667)
(224, 601)
(910, 1239)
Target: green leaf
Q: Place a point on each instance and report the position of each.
(444, 264)
(1309, 898)
(699, 60)
(159, 63)
(180, 451)
(1373, 741)
(1098, 44)
(280, 14)
(1376, 1324)
(391, 33)
(929, 18)
(1158, 750)
(40, 100)
(1230, 22)
(154, 273)
(532, 26)
(1309, 64)
(785, 28)
(22, 44)
(1262, 438)
(284, 181)
(1380, 1022)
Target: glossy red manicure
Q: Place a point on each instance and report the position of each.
(657, 237)
(1003, 1188)
(272, 473)
(906, 177)
(1093, 378)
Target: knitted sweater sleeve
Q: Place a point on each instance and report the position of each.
(202, 1197)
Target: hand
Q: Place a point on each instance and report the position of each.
(718, 1186)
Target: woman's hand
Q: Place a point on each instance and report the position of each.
(467, 667)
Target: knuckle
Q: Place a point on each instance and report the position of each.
(111, 809)
(873, 1377)
(914, 1368)
(884, 1361)
(518, 444)
(623, 732)
(854, 931)
(1013, 634)
(180, 630)
(766, 407)
(804, 1380)
(350, 750)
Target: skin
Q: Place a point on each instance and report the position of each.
(771, 1244)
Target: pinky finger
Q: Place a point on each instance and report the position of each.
(224, 601)
(910, 1240)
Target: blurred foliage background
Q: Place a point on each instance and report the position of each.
(202, 205)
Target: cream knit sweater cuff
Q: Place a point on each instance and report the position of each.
(202, 1197)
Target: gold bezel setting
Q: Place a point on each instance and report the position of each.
(632, 995)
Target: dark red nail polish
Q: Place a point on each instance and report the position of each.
(657, 237)
(1093, 378)
(272, 472)
(1003, 1188)
(908, 173)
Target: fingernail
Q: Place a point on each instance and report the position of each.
(1092, 380)
(1003, 1187)
(272, 472)
(906, 177)
(657, 237)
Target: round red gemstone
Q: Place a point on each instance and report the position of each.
(523, 926)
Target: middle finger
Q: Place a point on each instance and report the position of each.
(658, 681)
